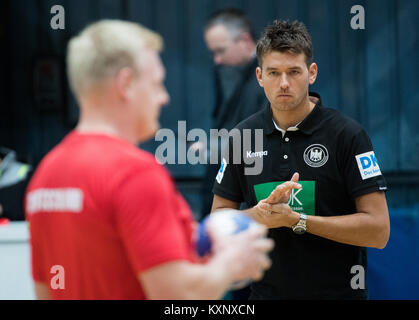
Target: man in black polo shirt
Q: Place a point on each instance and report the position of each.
(320, 229)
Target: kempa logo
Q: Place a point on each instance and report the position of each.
(258, 154)
(316, 155)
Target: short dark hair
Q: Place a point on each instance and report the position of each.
(234, 19)
(285, 36)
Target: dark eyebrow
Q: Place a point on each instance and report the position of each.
(292, 68)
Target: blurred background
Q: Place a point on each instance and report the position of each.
(369, 74)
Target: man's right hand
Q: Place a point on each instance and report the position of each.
(245, 253)
(237, 257)
(274, 212)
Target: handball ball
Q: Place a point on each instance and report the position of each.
(222, 223)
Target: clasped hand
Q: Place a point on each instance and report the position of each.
(274, 211)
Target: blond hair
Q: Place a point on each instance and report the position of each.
(104, 48)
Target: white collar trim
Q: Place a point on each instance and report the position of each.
(294, 128)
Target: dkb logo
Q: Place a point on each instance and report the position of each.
(368, 165)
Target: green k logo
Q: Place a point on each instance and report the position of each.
(301, 200)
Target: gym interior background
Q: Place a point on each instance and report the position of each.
(369, 74)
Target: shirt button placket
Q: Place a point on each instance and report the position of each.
(285, 155)
(286, 139)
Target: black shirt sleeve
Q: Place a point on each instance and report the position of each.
(360, 165)
(227, 182)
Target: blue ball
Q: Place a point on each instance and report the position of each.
(225, 222)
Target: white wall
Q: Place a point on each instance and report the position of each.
(15, 269)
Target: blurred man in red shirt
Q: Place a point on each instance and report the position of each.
(104, 213)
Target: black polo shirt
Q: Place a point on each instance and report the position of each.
(336, 162)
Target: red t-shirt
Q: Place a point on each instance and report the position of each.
(100, 212)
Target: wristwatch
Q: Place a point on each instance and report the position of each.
(301, 226)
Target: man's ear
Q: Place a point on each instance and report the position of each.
(259, 76)
(312, 73)
(123, 81)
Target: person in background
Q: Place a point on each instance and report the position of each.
(230, 37)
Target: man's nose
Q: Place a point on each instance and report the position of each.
(165, 99)
(283, 82)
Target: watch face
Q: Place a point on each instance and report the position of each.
(299, 230)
